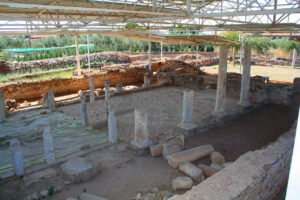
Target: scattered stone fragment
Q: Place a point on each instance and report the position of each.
(78, 170)
(216, 166)
(192, 171)
(138, 196)
(150, 196)
(169, 150)
(44, 193)
(217, 157)
(156, 150)
(88, 196)
(191, 155)
(208, 171)
(33, 196)
(182, 183)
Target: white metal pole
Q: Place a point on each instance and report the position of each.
(161, 51)
(294, 58)
(88, 48)
(149, 52)
(77, 55)
(241, 50)
(197, 48)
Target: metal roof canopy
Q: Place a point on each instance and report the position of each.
(96, 15)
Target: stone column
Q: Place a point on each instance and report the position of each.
(48, 146)
(146, 80)
(51, 100)
(77, 55)
(219, 110)
(245, 83)
(112, 127)
(107, 97)
(92, 90)
(83, 114)
(294, 58)
(17, 156)
(187, 121)
(2, 106)
(119, 87)
(141, 133)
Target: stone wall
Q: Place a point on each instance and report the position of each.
(260, 90)
(260, 174)
(35, 89)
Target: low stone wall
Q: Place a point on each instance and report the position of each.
(260, 174)
(35, 89)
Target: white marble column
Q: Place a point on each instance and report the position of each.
(107, 97)
(48, 146)
(92, 90)
(294, 58)
(83, 113)
(187, 121)
(245, 83)
(17, 157)
(2, 106)
(219, 110)
(51, 99)
(112, 127)
(141, 132)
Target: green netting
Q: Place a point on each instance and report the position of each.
(24, 50)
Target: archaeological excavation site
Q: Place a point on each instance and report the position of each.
(149, 100)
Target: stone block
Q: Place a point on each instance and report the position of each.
(182, 183)
(156, 150)
(78, 170)
(192, 171)
(217, 157)
(169, 150)
(190, 155)
(208, 171)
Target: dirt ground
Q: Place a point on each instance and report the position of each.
(164, 107)
(278, 73)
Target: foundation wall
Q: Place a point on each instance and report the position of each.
(260, 174)
(35, 89)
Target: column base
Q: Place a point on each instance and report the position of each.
(140, 145)
(219, 113)
(187, 126)
(244, 104)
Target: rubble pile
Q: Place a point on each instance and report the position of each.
(116, 57)
(266, 60)
(202, 60)
(183, 75)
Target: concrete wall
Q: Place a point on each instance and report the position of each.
(260, 174)
(35, 89)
